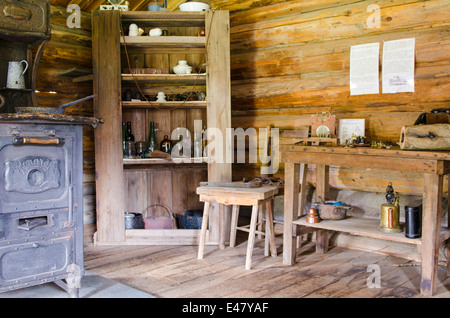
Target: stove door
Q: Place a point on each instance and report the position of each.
(41, 261)
(36, 172)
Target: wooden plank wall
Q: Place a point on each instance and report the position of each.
(291, 59)
(70, 49)
(155, 191)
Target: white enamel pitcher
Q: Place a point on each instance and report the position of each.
(15, 74)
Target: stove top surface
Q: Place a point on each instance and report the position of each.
(48, 117)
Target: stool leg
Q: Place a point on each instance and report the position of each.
(221, 226)
(251, 237)
(260, 220)
(234, 223)
(266, 230)
(270, 233)
(201, 246)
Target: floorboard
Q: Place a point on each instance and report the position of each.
(175, 271)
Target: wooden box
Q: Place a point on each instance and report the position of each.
(325, 119)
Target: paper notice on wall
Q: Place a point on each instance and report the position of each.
(398, 66)
(364, 69)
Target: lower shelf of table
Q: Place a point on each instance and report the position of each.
(363, 227)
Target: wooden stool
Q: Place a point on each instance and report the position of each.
(237, 196)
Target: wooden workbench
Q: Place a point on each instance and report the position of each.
(433, 165)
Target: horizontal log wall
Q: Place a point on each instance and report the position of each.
(70, 49)
(291, 59)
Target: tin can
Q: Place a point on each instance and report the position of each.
(413, 221)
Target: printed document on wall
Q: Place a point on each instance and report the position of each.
(398, 66)
(364, 69)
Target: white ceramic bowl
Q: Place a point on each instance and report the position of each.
(194, 6)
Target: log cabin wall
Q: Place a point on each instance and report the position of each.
(291, 59)
(70, 50)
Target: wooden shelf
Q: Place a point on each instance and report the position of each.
(358, 226)
(165, 19)
(161, 161)
(166, 105)
(363, 227)
(188, 79)
(164, 41)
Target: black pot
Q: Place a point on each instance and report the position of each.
(133, 221)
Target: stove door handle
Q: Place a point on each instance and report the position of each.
(38, 141)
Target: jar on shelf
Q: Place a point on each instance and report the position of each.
(130, 150)
(140, 148)
(166, 144)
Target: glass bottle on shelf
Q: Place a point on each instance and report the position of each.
(197, 145)
(130, 136)
(166, 144)
(152, 138)
(179, 144)
(204, 137)
(124, 137)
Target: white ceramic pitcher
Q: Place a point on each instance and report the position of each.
(15, 74)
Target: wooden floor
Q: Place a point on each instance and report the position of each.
(175, 271)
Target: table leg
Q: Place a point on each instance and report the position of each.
(291, 187)
(431, 224)
(302, 204)
(323, 178)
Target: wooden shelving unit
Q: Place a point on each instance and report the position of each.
(133, 185)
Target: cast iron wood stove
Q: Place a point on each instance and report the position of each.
(41, 201)
(41, 167)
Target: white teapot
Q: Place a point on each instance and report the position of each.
(182, 68)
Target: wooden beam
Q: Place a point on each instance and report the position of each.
(431, 226)
(292, 174)
(108, 139)
(218, 87)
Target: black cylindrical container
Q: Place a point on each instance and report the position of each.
(413, 221)
(133, 221)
